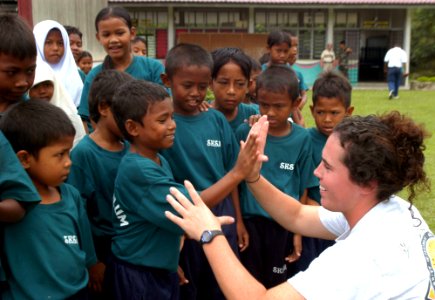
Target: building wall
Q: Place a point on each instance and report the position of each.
(78, 13)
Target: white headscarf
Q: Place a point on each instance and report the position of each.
(60, 97)
(66, 68)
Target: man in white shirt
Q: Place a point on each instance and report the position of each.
(395, 66)
(327, 58)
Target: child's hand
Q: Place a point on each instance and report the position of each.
(96, 277)
(297, 249)
(252, 120)
(251, 153)
(182, 279)
(242, 236)
(204, 106)
(298, 118)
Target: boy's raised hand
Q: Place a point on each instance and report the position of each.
(251, 154)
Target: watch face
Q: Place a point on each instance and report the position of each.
(208, 235)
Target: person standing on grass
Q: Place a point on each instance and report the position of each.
(343, 58)
(384, 248)
(395, 67)
(327, 58)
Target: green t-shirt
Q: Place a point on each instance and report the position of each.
(47, 253)
(243, 113)
(93, 173)
(318, 140)
(143, 235)
(290, 167)
(145, 68)
(14, 181)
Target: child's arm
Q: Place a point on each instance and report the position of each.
(11, 211)
(242, 233)
(297, 238)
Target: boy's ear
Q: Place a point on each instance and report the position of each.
(165, 79)
(349, 110)
(312, 109)
(24, 158)
(131, 127)
(103, 109)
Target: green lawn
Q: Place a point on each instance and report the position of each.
(420, 105)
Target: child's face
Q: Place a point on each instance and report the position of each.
(54, 48)
(43, 91)
(279, 53)
(229, 87)
(293, 54)
(328, 112)
(253, 83)
(189, 86)
(139, 48)
(158, 129)
(16, 77)
(85, 64)
(115, 36)
(52, 165)
(75, 43)
(278, 107)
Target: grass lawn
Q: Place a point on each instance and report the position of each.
(419, 105)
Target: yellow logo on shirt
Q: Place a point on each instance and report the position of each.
(429, 253)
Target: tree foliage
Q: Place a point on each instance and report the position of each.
(423, 40)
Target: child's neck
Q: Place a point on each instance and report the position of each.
(106, 139)
(49, 194)
(229, 114)
(145, 152)
(281, 131)
(4, 105)
(123, 63)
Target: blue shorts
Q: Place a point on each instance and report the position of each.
(127, 281)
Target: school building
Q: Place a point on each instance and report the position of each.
(369, 27)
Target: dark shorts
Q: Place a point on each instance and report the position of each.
(265, 256)
(126, 281)
(202, 283)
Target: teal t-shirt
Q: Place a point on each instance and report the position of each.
(145, 68)
(49, 250)
(244, 111)
(290, 167)
(82, 75)
(204, 150)
(14, 181)
(93, 173)
(143, 235)
(318, 140)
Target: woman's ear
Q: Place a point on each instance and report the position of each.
(24, 157)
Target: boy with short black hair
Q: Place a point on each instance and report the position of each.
(331, 104)
(96, 154)
(17, 60)
(204, 150)
(290, 168)
(17, 73)
(57, 230)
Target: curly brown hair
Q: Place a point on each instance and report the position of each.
(387, 149)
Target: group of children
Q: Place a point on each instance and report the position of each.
(103, 234)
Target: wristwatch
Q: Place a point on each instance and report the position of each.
(208, 235)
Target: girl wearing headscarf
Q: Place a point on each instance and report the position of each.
(53, 48)
(48, 87)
